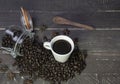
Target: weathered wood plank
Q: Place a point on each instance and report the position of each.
(93, 41)
(93, 12)
(102, 50)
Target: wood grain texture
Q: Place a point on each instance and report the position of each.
(95, 13)
(103, 59)
(103, 47)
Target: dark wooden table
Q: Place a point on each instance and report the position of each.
(102, 44)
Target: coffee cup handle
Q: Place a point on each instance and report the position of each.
(47, 45)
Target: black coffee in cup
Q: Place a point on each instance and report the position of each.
(62, 47)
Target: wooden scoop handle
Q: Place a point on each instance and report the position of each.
(60, 20)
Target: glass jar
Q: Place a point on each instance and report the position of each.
(13, 38)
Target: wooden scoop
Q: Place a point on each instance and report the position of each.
(60, 20)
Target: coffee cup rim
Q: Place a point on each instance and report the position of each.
(60, 38)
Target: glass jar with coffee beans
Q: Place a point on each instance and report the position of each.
(12, 40)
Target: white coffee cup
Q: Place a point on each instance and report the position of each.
(60, 57)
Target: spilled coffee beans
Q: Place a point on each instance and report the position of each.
(38, 62)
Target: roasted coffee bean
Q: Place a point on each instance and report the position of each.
(7, 41)
(45, 38)
(3, 68)
(28, 81)
(10, 75)
(17, 33)
(54, 34)
(43, 28)
(66, 32)
(76, 40)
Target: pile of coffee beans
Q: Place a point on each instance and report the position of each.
(38, 62)
(7, 40)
